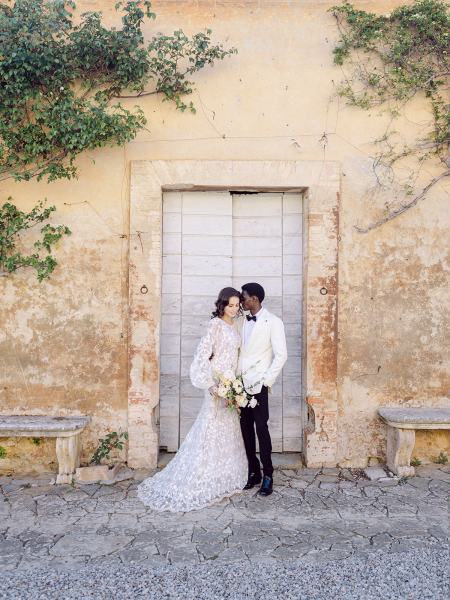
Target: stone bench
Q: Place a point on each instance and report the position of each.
(401, 434)
(66, 430)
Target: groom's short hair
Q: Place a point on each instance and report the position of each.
(254, 289)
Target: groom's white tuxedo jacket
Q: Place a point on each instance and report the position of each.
(263, 355)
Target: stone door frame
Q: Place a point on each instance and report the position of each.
(319, 181)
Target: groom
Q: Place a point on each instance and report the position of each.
(262, 356)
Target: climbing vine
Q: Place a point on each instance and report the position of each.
(14, 223)
(61, 80)
(392, 59)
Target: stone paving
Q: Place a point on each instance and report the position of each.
(316, 515)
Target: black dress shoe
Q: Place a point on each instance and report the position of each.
(267, 486)
(253, 479)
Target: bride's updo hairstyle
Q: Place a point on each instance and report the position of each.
(223, 300)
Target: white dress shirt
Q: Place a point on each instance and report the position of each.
(249, 325)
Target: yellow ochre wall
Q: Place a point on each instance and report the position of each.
(63, 343)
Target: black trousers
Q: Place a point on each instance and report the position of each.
(252, 418)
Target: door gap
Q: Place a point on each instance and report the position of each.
(243, 192)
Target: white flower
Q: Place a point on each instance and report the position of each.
(229, 375)
(241, 400)
(222, 391)
(253, 402)
(237, 386)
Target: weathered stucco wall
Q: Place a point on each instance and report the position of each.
(63, 343)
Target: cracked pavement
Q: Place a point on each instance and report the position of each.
(316, 515)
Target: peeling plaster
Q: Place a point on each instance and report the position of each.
(64, 344)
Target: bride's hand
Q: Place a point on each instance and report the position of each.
(213, 390)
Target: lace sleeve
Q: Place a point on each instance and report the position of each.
(200, 371)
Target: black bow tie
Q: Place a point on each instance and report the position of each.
(249, 318)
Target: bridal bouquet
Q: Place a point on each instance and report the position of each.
(231, 388)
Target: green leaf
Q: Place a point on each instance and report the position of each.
(60, 76)
(13, 223)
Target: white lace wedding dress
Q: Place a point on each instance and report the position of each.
(211, 463)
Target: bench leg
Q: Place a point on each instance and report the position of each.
(400, 444)
(68, 454)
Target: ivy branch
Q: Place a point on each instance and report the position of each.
(394, 58)
(60, 81)
(14, 222)
(111, 441)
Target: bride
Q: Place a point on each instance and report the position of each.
(211, 463)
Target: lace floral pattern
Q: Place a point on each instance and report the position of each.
(211, 463)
